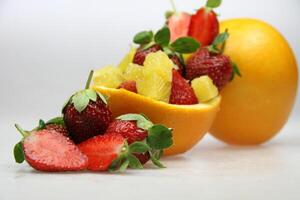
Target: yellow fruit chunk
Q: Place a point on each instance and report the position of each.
(127, 60)
(256, 106)
(160, 63)
(189, 123)
(204, 89)
(108, 76)
(154, 86)
(156, 78)
(133, 72)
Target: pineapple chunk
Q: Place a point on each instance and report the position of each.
(156, 78)
(127, 60)
(204, 89)
(160, 63)
(108, 76)
(133, 72)
(154, 86)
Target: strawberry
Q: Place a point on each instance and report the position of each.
(204, 25)
(178, 24)
(176, 60)
(129, 85)
(217, 67)
(130, 131)
(49, 150)
(181, 93)
(57, 128)
(102, 150)
(86, 114)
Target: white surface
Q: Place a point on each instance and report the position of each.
(46, 51)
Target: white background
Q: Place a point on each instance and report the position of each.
(46, 51)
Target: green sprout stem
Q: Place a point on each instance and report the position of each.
(24, 133)
(87, 85)
(173, 6)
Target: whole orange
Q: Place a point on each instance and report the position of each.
(256, 106)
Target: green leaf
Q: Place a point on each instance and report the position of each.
(66, 103)
(236, 69)
(156, 161)
(143, 37)
(185, 45)
(103, 97)
(159, 137)
(124, 166)
(134, 163)
(221, 38)
(162, 37)
(92, 94)
(42, 125)
(141, 121)
(213, 3)
(57, 121)
(19, 153)
(138, 147)
(158, 154)
(80, 101)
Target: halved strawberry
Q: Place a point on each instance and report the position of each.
(49, 150)
(178, 24)
(103, 150)
(204, 25)
(182, 93)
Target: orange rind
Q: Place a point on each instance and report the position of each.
(189, 122)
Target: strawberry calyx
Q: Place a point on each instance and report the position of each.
(211, 4)
(159, 138)
(82, 98)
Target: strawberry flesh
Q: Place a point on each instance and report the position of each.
(48, 150)
(204, 26)
(102, 150)
(181, 93)
(58, 128)
(129, 85)
(217, 67)
(92, 121)
(179, 24)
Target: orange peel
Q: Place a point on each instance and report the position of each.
(189, 122)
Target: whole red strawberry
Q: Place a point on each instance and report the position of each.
(217, 67)
(176, 60)
(130, 131)
(49, 150)
(129, 85)
(86, 114)
(204, 25)
(181, 92)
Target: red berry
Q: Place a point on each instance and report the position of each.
(129, 85)
(48, 150)
(179, 24)
(217, 67)
(130, 131)
(176, 60)
(93, 120)
(204, 26)
(181, 93)
(101, 150)
(141, 54)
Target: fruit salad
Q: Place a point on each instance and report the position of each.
(156, 67)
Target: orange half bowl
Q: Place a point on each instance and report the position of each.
(189, 122)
